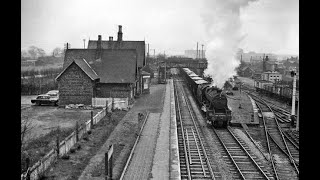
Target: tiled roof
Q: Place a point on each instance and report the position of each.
(138, 45)
(115, 66)
(70, 54)
(82, 63)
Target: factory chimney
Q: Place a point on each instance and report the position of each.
(263, 64)
(120, 33)
(110, 38)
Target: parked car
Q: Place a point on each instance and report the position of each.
(53, 93)
(51, 98)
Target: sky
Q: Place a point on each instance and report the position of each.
(169, 26)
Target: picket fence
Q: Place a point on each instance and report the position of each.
(118, 103)
(38, 168)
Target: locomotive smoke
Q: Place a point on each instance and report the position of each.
(222, 22)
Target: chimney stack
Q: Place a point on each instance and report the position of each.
(99, 42)
(120, 33)
(110, 38)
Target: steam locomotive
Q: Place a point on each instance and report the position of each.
(213, 102)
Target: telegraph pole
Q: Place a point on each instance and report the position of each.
(297, 125)
(197, 51)
(148, 50)
(293, 74)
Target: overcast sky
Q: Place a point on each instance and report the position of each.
(172, 26)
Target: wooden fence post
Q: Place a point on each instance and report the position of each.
(106, 106)
(91, 120)
(112, 107)
(58, 143)
(77, 131)
(27, 162)
(106, 165)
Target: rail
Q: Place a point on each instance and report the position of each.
(201, 143)
(226, 138)
(279, 132)
(268, 145)
(183, 138)
(194, 133)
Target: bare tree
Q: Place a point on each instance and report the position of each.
(57, 52)
(24, 54)
(26, 127)
(36, 52)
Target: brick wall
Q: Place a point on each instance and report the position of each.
(115, 90)
(75, 87)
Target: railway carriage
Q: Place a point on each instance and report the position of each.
(212, 101)
(280, 91)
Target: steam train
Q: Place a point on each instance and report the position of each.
(213, 102)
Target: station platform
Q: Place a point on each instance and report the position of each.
(244, 110)
(156, 155)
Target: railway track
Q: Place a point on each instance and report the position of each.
(279, 144)
(246, 164)
(194, 162)
(282, 114)
(293, 135)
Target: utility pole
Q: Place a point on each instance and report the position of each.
(297, 125)
(148, 50)
(84, 43)
(293, 74)
(197, 51)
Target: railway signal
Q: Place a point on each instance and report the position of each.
(293, 74)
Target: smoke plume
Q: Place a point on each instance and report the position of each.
(222, 22)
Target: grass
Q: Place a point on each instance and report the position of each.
(38, 148)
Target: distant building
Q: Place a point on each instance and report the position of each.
(258, 83)
(193, 54)
(246, 72)
(29, 62)
(271, 76)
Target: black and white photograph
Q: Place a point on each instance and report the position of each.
(159, 89)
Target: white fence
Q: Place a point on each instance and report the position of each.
(118, 103)
(37, 169)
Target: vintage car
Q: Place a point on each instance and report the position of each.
(53, 93)
(51, 98)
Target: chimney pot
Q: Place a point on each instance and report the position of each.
(110, 38)
(99, 37)
(120, 33)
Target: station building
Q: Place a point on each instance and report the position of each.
(111, 44)
(105, 70)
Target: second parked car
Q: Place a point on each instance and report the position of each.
(51, 98)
